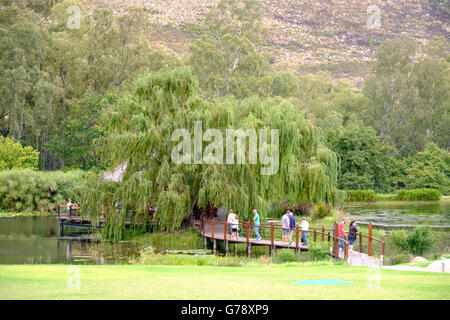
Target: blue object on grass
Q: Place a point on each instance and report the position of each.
(322, 282)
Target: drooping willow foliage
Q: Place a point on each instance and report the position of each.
(139, 130)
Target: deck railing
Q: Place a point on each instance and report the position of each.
(273, 230)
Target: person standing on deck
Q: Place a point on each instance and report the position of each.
(341, 234)
(291, 226)
(285, 226)
(305, 227)
(257, 224)
(235, 226)
(352, 231)
(69, 206)
(230, 220)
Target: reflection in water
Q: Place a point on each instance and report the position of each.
(31, 240)
(435, 215)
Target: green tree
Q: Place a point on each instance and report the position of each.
(139, 130)
(364, 161)
(225, 58)
(406, 95)
(13, 155)
(429, 169)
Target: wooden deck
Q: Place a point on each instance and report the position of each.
(215, 231)
(219, 235)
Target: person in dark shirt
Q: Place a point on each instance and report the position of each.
(291, 225)
(352, 232)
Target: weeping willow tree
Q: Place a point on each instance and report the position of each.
(139, 130)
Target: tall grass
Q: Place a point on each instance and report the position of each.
(419, 195)
(359, 195)
(29, 190)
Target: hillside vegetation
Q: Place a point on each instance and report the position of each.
(304, 35)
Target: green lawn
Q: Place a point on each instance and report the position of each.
(207, 282)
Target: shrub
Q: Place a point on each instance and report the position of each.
(397, 259)
(319, 251)
(416, 242)
(321, 211)
(286, 255)
(28, 190)
(360, 195)
(14, 155)
(420, 240)
(400, 239)
(419, 195)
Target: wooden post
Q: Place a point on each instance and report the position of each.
(296, 238)
(235, 249)
(271, 236)
(315, 234)
(345, 250)
(360, 242)
(323, 233)
(248, 233)
(205, 243)
(227, 249)
(249, 250)
(212, 229)
(335, 239)
(369, 249)
(225, 231)
(214, 246)
(202, 223)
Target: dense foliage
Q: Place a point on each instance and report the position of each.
(140, 127)
(14, 156)
(28, 190)
(63, 88)
(418, 195)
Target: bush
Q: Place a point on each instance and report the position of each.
(419, 195)
(14, 155)
(286, 255)
(416, 242)
(397, 259)
(321, 211)
(360, 195)
(400, 239)
(28, 190)
(319, 251)
(420, 240)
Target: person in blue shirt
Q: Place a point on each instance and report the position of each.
(285, 226)
(257, 224)
(291, 225)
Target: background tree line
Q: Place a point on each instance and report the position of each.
(55, 82)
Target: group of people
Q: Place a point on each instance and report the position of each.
(352, 232)
(233, 224)
(287, 221)
(288, 224)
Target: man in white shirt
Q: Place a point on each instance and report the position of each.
(305, 227)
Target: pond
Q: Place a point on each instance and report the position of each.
(410, 215)
(28, 240)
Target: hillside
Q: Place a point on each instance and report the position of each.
(305, 35)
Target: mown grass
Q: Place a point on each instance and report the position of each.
(212, 282)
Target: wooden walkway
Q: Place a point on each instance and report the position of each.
(215, 230)
(218, 231)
